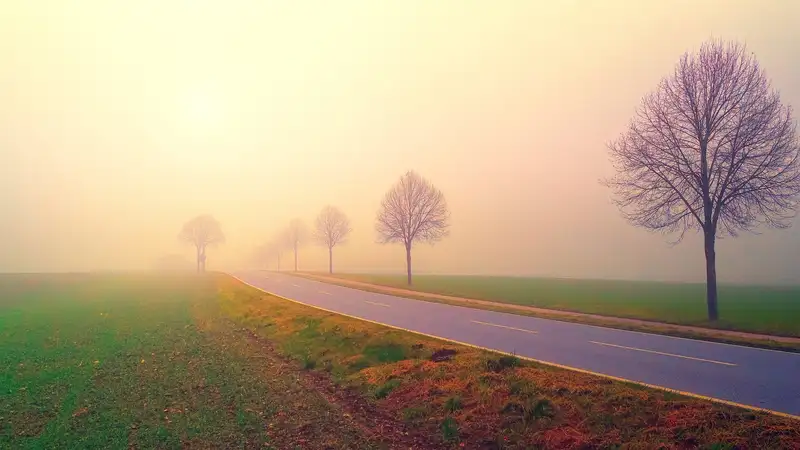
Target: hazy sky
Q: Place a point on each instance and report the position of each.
(120, 120)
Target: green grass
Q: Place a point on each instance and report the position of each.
(762, 309)
(142, 362)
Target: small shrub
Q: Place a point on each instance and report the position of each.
(449, 429)
(386, 388)
(309, 362)
(521, 387)
(501, 363)
(453, 404)
(541, 409)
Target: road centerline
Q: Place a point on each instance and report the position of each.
(664, 353)
(376, 303)
(325, 292)
(504, 326)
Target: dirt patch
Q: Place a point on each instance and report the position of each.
(444, 354)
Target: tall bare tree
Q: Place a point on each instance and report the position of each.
(202, 231)
(413, 210)
(331, 229)
(712, 149)
(297, 235)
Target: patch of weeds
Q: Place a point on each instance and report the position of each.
(386, 388)
(414, 413)
(311, 329)
(541, 409)
(497, 365)
(387, 353)
(308, 362)
(449, 429)
(529, 411)
(359, 364)
(453, 404)
(521, 387)
(720, 446)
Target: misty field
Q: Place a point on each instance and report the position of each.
(763, 309)
(144, 362)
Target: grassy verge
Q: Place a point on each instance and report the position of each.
(758, 309)
(146, 362)
(696, 331)
(468, 398)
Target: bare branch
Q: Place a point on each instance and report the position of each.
(331, 227)
(202, 231)
(413, 211)
(712, 149)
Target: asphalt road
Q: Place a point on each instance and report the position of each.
(762, 378)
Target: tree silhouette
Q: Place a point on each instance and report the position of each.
(202, 231)
(331, 229)
(712, 149)
(413, 210)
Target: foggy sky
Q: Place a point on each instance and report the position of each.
(121, 120)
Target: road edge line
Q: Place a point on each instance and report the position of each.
(527, 358)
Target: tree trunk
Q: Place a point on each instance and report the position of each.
(408, 263)
(711, 277)
(295, 257)
(330, 260)
(197, 259)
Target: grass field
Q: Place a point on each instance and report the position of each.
(770, 310)
(118, 361)
(111, 361)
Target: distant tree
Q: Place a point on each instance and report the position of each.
(297, 235)
(280, 243)
(202, 231)
(412, 211)
(331, 229)
(712, 149)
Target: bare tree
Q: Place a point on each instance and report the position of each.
(412, 211)
(712, 149)
(297, 235)
(202, 231)
(278, 245)
(331, 229)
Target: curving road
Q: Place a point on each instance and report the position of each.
(762, 378)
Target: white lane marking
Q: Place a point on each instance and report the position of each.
(376, 303)
(295, 285)
(504, 326)
(326, 293)
(663, 353)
